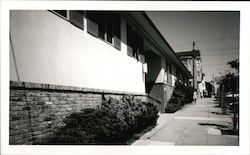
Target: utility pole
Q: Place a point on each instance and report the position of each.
(194, 68)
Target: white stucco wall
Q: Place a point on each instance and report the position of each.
(49, 49)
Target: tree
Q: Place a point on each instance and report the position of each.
(230, 84)
(234, 64)
(231, 80)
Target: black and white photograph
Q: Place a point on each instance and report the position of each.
(134, 78)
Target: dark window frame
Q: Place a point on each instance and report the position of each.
(135, 43)
(107, 22)
(59, 13)
(70, 17)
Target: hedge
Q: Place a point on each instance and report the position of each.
(113, 123)
(181, 95)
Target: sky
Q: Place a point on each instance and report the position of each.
(216, 35)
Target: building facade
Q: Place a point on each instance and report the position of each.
(59, 56)
(192, 61)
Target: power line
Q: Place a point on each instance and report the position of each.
(206, 55)
(214, 65)
(221, 48)
(227, 38)
(221, 38)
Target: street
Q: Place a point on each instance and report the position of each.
(200, 123)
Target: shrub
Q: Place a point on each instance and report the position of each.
(173, 105)
(113, 123)
(89, 126)
(181, 95)
(133, 114)
(187, 92)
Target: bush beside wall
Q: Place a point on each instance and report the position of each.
(37, 110)
(181, 95)
(114, 123)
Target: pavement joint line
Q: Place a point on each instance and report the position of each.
(166, 119)
(203, 105)
(160, 126)
(152, 142)
(182, 133)
(201, 118)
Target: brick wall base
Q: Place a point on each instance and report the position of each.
(36, 110)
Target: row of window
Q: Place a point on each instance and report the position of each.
(74, 16)
(104, 25)
(169, 73)
(135, 44)
(107, 26)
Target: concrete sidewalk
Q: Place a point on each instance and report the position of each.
(196, 124)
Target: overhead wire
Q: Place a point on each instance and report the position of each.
(233, 37)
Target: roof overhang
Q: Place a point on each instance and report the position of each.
(152, 34)
(193, 53)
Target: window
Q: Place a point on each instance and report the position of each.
(135, 44)
(92, 24)
(140, 48)
(75, 17)
(129, 40)
(117, 31)
(101, 26)
(109, 28)
(62, 13)
(106, 26)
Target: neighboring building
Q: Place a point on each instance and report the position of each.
(216, 84)
(192, 60)
(68, 59)
(202, 87)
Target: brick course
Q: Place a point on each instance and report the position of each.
(36, 110)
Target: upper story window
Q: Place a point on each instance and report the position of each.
(106, 26)
(74, 16)
(135, 44)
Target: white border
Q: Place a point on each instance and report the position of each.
(243, 7)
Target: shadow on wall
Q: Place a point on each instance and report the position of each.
(154, 68)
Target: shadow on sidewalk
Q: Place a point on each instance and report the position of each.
(219, 113)
(137, 136)
(225, 129)
(217, 106)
